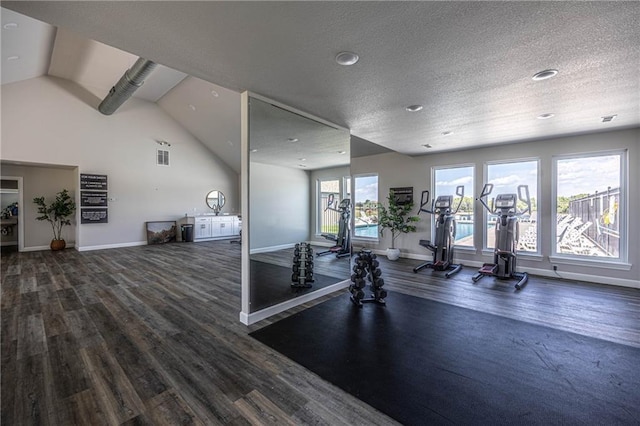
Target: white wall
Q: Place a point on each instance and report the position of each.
(396, 170)
(52, 121)
(278, 206)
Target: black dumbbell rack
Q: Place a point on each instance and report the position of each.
(365, 266)
(302, 268)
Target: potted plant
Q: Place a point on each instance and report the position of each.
(58, 214)
(396, 218)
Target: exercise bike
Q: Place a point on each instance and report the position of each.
(445, 232)
(342, 247)
(507, 232)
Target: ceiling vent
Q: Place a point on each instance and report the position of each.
(130, 81)
(608, 118)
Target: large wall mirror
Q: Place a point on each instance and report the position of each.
(288, 154)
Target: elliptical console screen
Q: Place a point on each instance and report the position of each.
(506, 201)
(444, 201)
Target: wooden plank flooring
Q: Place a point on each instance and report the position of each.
(150, 335)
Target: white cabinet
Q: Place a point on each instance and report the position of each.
(202, 228)
(213, 227)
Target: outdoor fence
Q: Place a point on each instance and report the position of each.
(602, 210)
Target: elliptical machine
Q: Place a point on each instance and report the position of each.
(342, 248)
(507, 231)
(445, 232)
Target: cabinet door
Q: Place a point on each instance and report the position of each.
(216, 227)
(202, 228)
(226, 228)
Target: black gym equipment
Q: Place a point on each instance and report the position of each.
(507, 231)
(365, 266)
(302, 268)
(342, 248)
(442, 247)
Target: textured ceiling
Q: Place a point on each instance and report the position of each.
(469, 63)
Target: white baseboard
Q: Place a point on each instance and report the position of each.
(544, 272)
(248, 319)
(272, 248)
(112, 246)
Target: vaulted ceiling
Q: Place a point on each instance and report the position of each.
(468, 64)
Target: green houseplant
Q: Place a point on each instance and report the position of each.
(396, 218)
(58, 214)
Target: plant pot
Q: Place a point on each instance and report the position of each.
(58, 245)
(393, 253)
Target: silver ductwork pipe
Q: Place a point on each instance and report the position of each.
(130, 81)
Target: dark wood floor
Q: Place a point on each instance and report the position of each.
(150, 335)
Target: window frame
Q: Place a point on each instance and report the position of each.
(353, 204)
(432, 226)
(621, 262)
(342, 193)
(533, 255)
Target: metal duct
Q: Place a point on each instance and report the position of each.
(130, 81)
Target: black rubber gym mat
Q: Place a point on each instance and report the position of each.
(423, 362)
(271, 284)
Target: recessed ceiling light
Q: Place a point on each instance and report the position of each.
(302, 159)
(447, 133)
(301, 165)
(426, 145)
(543, 75)
(545, 116)
(609, 118)
(342, 152)
(214, 93)
(230, 143)
(347, 58)
(10, 25)
(254, 150)
(13, 58)
(192, 107)
(414, 108)
(293, 139)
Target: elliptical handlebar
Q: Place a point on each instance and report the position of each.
(459, 193)
(486, 191)
(526, 199)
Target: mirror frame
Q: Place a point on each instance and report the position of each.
(246, 316)
(217, 208)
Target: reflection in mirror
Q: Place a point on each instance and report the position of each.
(290, 153)
(215, 201)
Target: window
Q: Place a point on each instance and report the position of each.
(365, 211)
(446, 181)
(590, 205)
(506, 177)
(328, 219)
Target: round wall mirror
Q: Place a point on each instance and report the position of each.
(215, 200)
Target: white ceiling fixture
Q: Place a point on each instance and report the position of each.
(10, 26)
(609, 118)
(347, 58)
(545, 116)
(543, 75)
(293, 139)
(414, 108)
(447, 133)
(214, 93)
(192, 107)
(426, 145)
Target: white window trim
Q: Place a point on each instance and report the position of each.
(433, 193)
(621, 263)
(485, 176)
(355, 237)
(342, 194)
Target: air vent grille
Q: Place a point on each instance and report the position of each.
(608, 118)
(162, 159)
